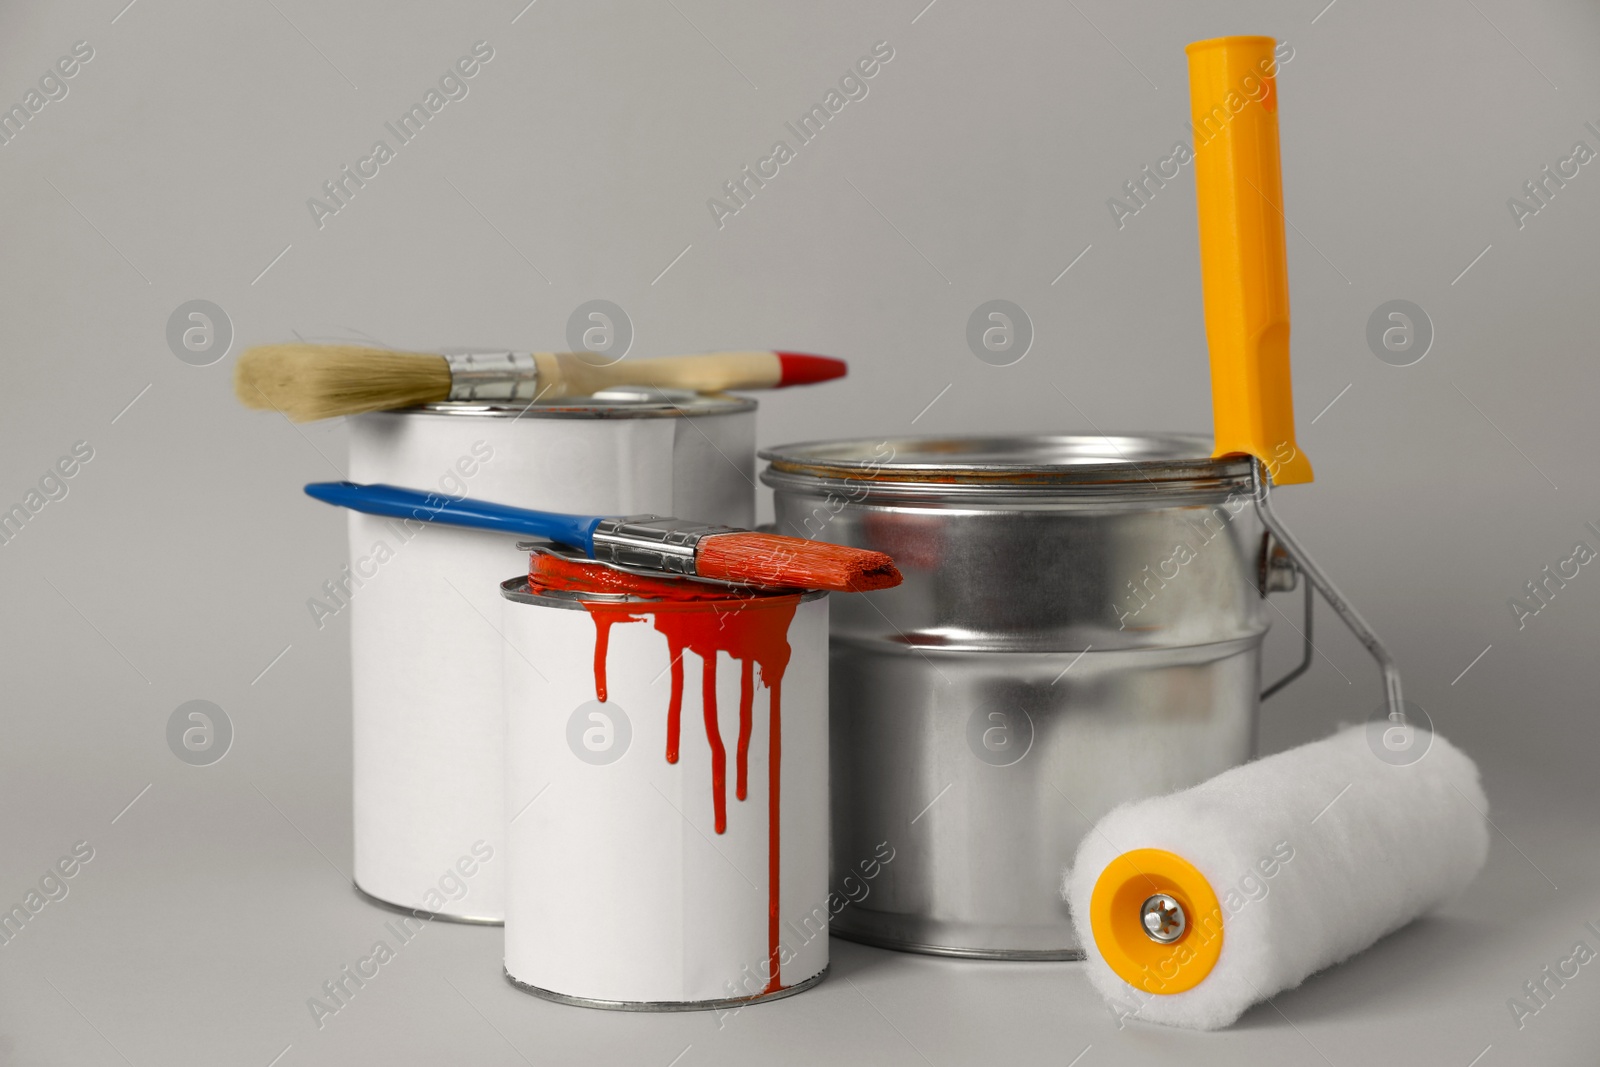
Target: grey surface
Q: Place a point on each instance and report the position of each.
(978, 168)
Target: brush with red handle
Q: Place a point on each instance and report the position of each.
(308, 382)
(640, 542)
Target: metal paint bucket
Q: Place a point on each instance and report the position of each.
(1080, 625)
(667, 789)
(425, 650)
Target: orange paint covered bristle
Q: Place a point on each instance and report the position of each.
(771, 560)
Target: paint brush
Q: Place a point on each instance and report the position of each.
(640, 542)
(308, 382)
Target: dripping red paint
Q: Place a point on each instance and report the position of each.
(751, 628)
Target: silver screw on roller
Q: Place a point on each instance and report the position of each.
(1163, 919)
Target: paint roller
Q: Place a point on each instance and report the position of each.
(1196, 905)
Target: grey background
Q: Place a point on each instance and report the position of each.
(578, 167)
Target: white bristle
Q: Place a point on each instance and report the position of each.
(307, 382)
(1370, 846)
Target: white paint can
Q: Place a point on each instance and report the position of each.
(667, 788)
(428, 736)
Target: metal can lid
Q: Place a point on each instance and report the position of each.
(1076, 466)
(622, 402)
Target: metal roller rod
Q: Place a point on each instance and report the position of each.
(1346, 611)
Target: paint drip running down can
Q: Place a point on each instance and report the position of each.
(667, 788)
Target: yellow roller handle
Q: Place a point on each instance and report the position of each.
(1244, 273)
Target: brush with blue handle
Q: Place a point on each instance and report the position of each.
(642, 542)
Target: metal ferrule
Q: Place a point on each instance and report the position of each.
(492, 375)
(651, 542)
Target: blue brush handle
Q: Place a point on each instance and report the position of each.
(575, 531)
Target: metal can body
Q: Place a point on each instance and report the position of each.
(424, 601)
(1080, 625)
(667, 847)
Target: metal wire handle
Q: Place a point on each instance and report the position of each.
(1307, 649)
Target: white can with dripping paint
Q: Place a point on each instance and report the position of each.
(424, 605)
(667, 788)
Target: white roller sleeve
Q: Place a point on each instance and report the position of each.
(1313, 854)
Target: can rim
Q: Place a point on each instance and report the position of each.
(668, 1005)
(517, 590)
(629, 402)
(1108, 466)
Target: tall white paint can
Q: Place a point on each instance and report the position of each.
(425, 639)
(667, 789)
